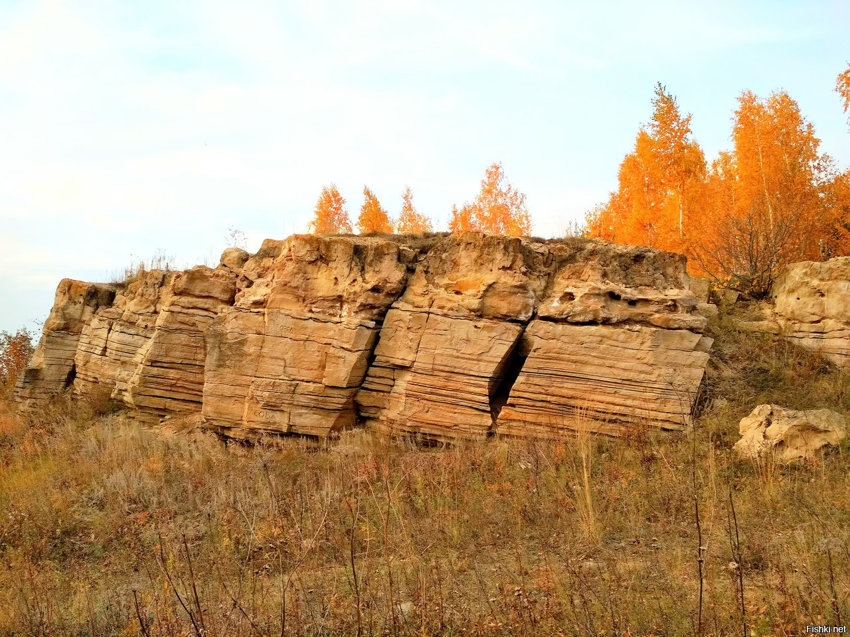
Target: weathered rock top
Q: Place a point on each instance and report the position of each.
(430, 334)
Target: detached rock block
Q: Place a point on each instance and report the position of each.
(812, 305)
(789, 434)
(612, 380)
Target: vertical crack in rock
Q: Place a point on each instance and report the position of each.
(445, 341)
(443, 336)
(106, 356)
(52, 367)
(291, 353)
(506, 375)
(616, 345)
(168, 374)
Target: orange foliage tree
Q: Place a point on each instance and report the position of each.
(330, 215)
(769, 202)
(659, 183)
(410, 221)
(498, 208)
(15, 352)
(772, 200)
(373, 218)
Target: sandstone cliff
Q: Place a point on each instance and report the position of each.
(445, 336)
(811, 307)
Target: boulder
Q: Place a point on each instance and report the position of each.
(789, 434)
(233, 258)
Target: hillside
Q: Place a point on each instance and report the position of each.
(110, 526)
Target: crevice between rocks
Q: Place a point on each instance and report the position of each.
(506, 375)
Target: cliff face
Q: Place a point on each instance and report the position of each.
(449, 337)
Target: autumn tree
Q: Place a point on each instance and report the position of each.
(498, 208)
(330, 215)
(842, 87)
(410, 221)
(15, 352)
(373, 218)
(658, 183)
(766, 202)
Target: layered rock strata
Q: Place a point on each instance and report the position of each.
(530, 338)
(111, 341)
(446, 343)
(812, 307)
(291, 353)
(444, 336)
(168, 370)
(51, 369)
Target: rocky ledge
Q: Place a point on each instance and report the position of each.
(443, 336)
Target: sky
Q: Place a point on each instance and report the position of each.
(135, 129)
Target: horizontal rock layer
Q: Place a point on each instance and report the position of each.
(443, 336)
(812, 307)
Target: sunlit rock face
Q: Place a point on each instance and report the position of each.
(51, 369)
(812, 307)
(530, 338)
(291, 353)
(441, 336)
(447, 341)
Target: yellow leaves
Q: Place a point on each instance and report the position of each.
(410, 221)
(373, 218)
(498, 208)
(330, 215)
(771, 200)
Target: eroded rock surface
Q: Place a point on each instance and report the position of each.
(291, 353)
(51, 369)
(168, 370)
(789, 434)
(605, 335)
(110, 342)
(616, 345)
(446, 336)
(445, 344)
(812, 307)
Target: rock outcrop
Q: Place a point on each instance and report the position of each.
(616, 345)
(531, 338)
(291, 353)
(788, 434)
(445, 336)
(51, 369)
(812, 306)
(446, 343)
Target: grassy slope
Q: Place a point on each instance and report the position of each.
(106, 528)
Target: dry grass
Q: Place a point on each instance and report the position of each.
(108, 528)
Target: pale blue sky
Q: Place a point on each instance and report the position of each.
(128, 128)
